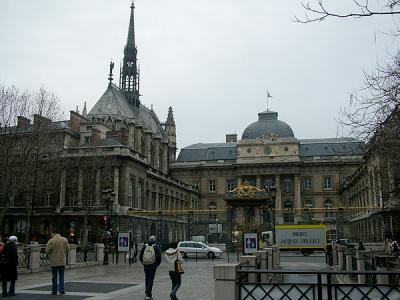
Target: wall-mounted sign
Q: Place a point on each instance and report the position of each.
(250, 243)
(123, 241)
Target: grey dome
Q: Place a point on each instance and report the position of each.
(267, 123)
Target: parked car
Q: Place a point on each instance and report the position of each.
(192, 248)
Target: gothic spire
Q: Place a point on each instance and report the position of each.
(170, 118)
(129, 78)
(84, 111)
(130, 43)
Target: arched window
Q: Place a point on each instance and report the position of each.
(309, 204)
(212, 207)
(288, 217)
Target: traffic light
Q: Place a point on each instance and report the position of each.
(106, 220)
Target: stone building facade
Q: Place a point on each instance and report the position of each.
(307, 175)
(108, 167)
(372, 192)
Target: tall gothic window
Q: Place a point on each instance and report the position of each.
(131, 192)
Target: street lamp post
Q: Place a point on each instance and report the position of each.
(108, 193)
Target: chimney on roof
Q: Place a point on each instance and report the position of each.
(231, 138)
(23, 122)
(39, 120)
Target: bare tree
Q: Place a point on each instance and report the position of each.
(320, 10)
(22, 144)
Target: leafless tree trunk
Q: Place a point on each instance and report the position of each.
(23, 143)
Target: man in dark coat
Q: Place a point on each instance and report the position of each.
(9, 269)
(150, 268)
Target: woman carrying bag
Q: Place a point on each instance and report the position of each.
(175, 261)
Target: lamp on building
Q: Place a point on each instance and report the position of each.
(272, 193)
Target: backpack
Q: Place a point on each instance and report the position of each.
(149, 255)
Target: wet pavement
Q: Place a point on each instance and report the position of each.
(123, 282)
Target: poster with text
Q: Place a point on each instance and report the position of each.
(123, 241)
(250, 243)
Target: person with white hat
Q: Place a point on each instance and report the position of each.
(9, 270)
(174, 260)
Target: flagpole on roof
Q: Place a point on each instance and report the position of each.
(268, 96)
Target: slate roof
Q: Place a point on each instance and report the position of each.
(330, 147)
(307, 148)
(114, 103)
(208, 152)
(48, 126)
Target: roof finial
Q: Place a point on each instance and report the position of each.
(84, 111)
(77, 109)
(110, 78)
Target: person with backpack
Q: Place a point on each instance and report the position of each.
(150, 257)
(174, 260)
(395, 247)
(9, 263)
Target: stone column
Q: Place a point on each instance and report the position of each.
(34, 257)
(225, 282)
(278, 200)
(157, 153)
(270, 258)
(335, 255)
(72, 254)
(361, 265)
(138, 139)
(165, 157)
(297, 198)
(263, 263)
(349, 259)
(239, 180)
(131, 141)
(252, 263)
(116, 184)
(63, 188)
(98, 186)
(147, 140)
(99, 252)
(340, 257)
(258, 181)
(80, 187)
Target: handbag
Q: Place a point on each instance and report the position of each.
(178, 267)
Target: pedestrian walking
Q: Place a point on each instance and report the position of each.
(135, 251)
(150, 257)
(329, 253)
(395, 247)
(360, 246)
(132, 252)
(8, 266)
(388, 246)
(57, 249)
(174, 260)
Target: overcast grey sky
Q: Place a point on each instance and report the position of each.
(211, 60)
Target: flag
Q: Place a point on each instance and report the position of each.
(268, 95)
